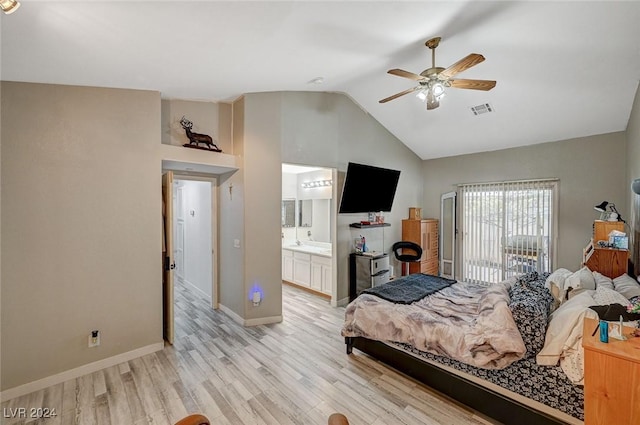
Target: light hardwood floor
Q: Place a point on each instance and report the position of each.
(294, 372)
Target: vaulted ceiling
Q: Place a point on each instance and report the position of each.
(563, 69)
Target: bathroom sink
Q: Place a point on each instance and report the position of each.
(310, 249)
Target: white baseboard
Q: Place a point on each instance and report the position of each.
(343, 302)
(263, 321)
(58, 378)
(250, 322)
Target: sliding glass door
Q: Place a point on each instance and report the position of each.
(508, 228)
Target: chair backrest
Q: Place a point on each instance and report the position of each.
(399, 250)
(338, 419)
(194, 419)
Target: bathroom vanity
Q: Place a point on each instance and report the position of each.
(308, 265)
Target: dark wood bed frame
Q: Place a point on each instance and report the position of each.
(479, 398)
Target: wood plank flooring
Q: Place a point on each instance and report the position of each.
(292, 373)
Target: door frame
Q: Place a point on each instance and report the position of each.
(443, 198)
(168, 287)
(215, 296)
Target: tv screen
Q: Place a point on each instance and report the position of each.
(368, 189)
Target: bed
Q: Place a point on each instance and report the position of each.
(504, 385)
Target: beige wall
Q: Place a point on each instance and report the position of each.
(633, 172)
(590, 169)
(330, 130)
(250, 212)
(231, 223)
(81, 219)
(263, 190)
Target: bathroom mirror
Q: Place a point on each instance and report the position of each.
(288, 213)
(305, 212)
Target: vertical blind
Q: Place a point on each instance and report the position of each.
(508, 229)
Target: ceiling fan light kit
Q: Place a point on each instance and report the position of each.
(9, 6)
(433, 81)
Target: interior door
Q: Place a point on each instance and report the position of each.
(448, 234)
(168, 261)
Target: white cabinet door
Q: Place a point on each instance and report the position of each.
(287, 268)
(316, 276)
(326, 280)
(302, 269)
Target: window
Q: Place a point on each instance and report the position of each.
(508, 229)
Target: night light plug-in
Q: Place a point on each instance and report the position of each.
(256, 298)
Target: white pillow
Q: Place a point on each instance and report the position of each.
(606, 296)
(555, 283)
(582, 279)
(509, 282)
(627, 286)
(602, 281)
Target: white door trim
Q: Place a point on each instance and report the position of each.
(449, 262)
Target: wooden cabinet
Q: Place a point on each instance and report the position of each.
(608, 261)
(611, 378)
(424, 233)
(601, 229)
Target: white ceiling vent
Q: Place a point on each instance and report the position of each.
(485, 108)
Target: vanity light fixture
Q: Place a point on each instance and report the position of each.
(9, 6)
(317, 183)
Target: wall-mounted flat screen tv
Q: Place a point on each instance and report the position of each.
(368, 189)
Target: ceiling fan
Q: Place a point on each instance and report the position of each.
(433, 81)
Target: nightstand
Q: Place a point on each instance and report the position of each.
(611, 378)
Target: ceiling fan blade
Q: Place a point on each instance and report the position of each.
(463, 64)
(473, 84)
(397, 95)
(433, 104)
(405, 74)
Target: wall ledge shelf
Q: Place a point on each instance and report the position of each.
(369, 226)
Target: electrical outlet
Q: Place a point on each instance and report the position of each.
(94, 338)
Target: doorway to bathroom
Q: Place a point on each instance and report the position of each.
(308, 229)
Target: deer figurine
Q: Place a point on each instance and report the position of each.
(196, 138)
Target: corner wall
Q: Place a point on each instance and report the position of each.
(633, 172)
(81, 222)
(590, 169)
(330, 130)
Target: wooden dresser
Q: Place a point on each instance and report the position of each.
(611, 378)
(601, 229)
(610, 262)
(425, 233)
